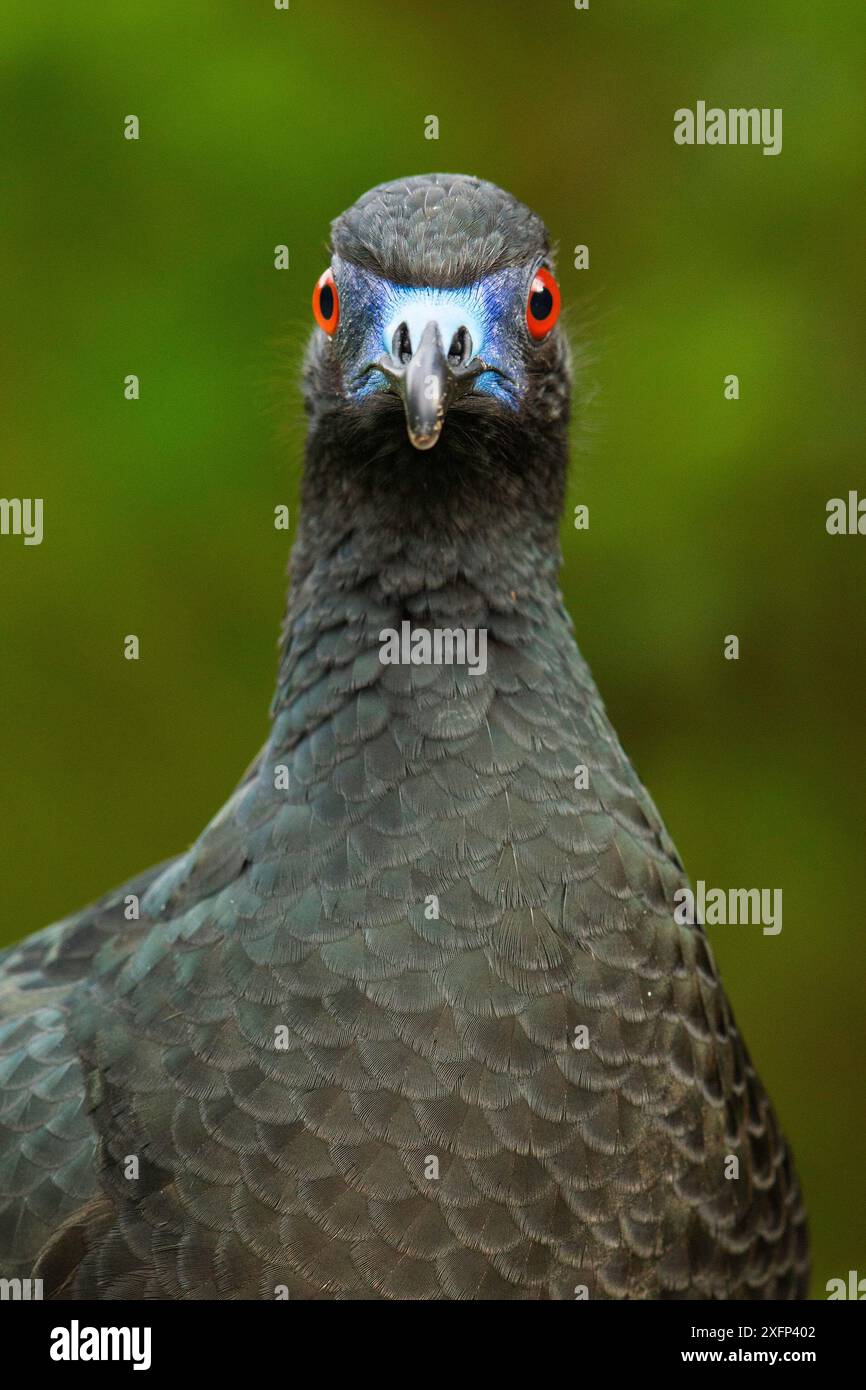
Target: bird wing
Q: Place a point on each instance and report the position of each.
(47, 1142)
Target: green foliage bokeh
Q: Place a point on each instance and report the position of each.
(706, 516)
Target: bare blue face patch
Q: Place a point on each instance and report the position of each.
(375, 311)
(453, 310)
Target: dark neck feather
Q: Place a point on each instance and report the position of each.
(451, 537)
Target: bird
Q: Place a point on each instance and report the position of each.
(414, 1017)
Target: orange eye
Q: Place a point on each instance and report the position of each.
(542, 306)
(326, 302)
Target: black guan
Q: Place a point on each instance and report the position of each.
(412, 1018)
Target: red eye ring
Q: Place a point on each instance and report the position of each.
(542, 303)
(326, 302)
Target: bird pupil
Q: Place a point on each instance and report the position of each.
(541, 303)
(326, 301)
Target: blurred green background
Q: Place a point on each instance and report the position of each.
(706, 516)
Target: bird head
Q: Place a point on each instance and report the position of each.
(437, 340)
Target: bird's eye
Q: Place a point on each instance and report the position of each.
(542, 306)
(326, 302)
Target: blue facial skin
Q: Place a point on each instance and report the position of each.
(493, 310)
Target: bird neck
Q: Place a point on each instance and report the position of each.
(354, 580)
(464, 537)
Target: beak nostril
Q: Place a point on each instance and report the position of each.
(461, 348)
(428, 381)
(401, 346)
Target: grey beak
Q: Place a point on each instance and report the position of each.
(428, 384)
(427, 389)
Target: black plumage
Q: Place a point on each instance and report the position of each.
(339, 1040)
